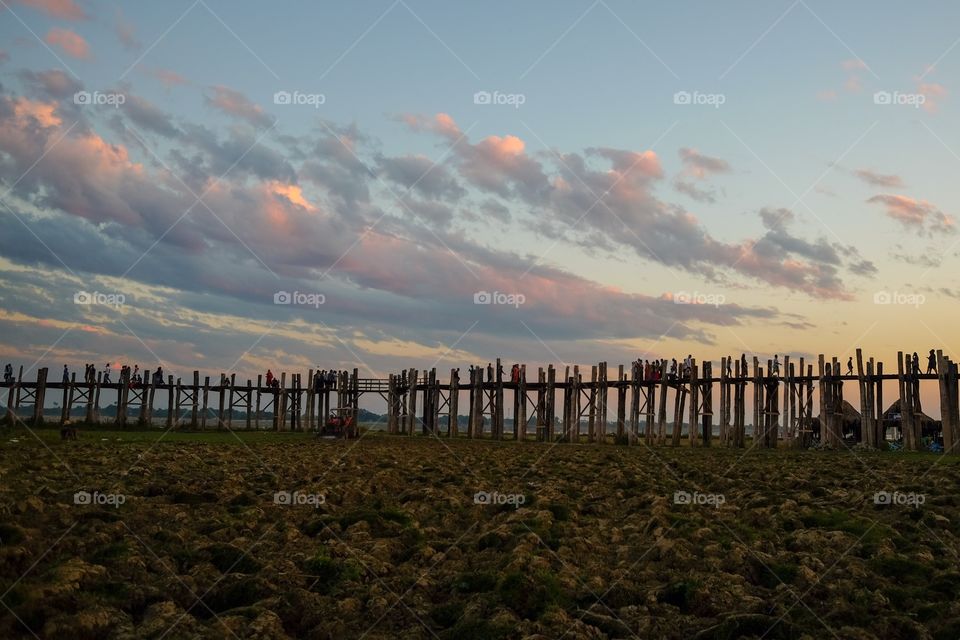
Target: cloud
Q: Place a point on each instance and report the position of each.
(698, 194)
(69, 42)
(698, 167)
(126, 33)
(422, 174)
(235, 104)
(916, 215)
(103, 211)
(701, 166)
(61, 9)
(148, 116)
(890, 181)
(166, 77)
(934, 94)
(52, 84)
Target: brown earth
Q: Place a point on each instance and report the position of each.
(400, 549)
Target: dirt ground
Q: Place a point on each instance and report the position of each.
(393, 537)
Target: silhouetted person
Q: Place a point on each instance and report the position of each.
(916, 363)
(932, 362)
(66, 375)
(850, 366)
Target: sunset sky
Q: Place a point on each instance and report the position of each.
(785, 165)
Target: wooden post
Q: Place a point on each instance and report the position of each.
(170, 411)
(622, 406)
(521, 421)
(707, 412)
(145, 398)
(11, 417)
(311, 397)
(206, 402)
(662, 409)
(222, 397)
(233, 380)
(257, 407)
(592, 406)
(694, 427)
(678, 401)
(65, 401)
(498, 405)
(549, 413)
(453, 402)
(412, 404)
(953, 399)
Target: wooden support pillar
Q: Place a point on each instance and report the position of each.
(678, 400)
(592, 406)
(662, 408)
(258, 400)
(453, 404)
(412, 403)
(622, 407)
(706, 414)
(520, 422)
(549, 413)
(205, 406)
(221, 423)
(170, 399)
(694, 419)
(65, 400)
(145, 403)
(311, 390)
(230, 397)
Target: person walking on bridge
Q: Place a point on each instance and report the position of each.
(932, 362)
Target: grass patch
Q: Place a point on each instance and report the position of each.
(529, 595)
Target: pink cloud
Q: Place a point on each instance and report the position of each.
(62, 9)
(701, 166)
(167, 78)
(236, 104)
(890, 181)
(919, 215)
(71, 43)
(934, 94)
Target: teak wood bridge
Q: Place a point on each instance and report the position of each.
(641, 403)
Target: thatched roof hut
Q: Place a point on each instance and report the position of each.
(892, 417)
(850, 423)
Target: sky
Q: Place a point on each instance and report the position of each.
(232, 186)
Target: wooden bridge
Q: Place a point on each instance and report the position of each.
(781, 404)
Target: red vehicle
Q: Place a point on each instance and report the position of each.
(339, 427)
